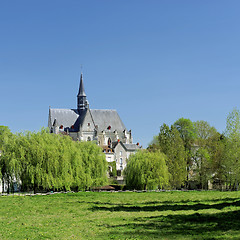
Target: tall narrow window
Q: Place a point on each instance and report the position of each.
(121, 164)
(109, 142)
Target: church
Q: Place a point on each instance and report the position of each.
(105, 127)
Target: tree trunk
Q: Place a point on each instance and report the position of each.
(8, 189)
(35, 188)
(3, 185)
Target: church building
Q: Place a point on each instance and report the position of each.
(100, 125)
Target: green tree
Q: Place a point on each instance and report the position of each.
(95, 164)
(204, 152)
(218, 150)
(171, 144)
(43, 161)
(232, 151)
(8, 161)
(147, 170)
(187, 132)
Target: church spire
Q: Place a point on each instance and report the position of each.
(82, 102)
(81, 92)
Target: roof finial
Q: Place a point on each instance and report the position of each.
(82, 102)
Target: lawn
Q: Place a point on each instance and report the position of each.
(123, 215)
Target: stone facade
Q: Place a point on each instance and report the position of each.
(100, 125)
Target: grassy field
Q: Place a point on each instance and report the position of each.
(89, 215)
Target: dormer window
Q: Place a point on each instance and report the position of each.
(109, 127)
(88, 124)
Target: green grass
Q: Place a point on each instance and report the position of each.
(89, 215)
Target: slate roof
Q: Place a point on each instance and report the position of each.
(104, 118)
(81, 92)
(131, 147)
(101, 117)
(127, 146)
(65, 117)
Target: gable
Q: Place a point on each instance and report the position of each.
(119, 147)
(87, 124)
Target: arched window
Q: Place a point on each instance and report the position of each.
(89, 138)
(109, 142)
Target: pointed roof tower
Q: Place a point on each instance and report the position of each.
(82, 102)
(81, 92)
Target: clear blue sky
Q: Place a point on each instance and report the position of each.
(154, 61)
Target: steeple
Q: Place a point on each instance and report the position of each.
(82, 102)
(81, 92)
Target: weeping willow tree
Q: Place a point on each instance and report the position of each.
(39, 160)
(94, 163)
(147, 170)
(8, 161)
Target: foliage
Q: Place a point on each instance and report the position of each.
(195, 152)
(113, 172)
(49, 161)
(186, 151)
(204, 152)
(154, 142)
(171, 144)
(147, 170)
(7, 139)
(187, 131)
(188, 134)
(232, 151)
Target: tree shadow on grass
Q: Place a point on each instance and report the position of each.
(193, 226)
(141, 202)
(164, 207)
(193, 201)
(97, 203)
